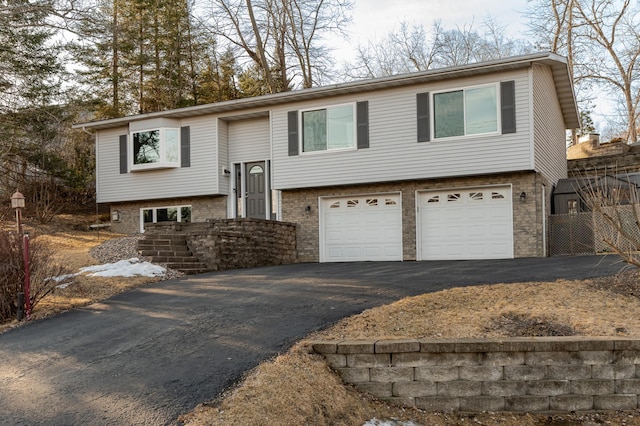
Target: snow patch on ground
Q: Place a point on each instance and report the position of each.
(125, 268)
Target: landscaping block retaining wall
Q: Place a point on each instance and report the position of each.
(514, 374)
(236, 243)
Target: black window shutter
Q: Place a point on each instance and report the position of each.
(362, 124)
(508, 106)
(185, 146)
(292, 117)
(422, 103)
(123, 154)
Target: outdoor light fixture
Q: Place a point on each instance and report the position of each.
(523, 197)
(307, 209)
(24, 297)
(17, 200)
(17, 203)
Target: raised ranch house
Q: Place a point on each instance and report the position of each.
(453, 163)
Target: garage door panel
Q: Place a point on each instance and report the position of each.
(477, 232)
(477, 249)
(360, 228)
(500, 230)
(466, 224)
(452, 250)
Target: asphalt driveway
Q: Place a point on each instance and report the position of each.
(146, 356)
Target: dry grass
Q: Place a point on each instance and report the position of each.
(297, 388)
(71, 241)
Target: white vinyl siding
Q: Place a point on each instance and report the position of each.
(223, 157)
(394, 153)
(249, 140)
(550, 133)
(201, 178)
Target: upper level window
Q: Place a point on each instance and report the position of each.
(470, 111)
(155, 148)
(328, 129)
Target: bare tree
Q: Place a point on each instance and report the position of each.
(412, 48)
(408, 49)
(282, 38)
(601, 39)
(614, 201)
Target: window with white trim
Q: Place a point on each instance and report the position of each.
(468, 111)
(155, 148)
(327, 129)
(164, 214)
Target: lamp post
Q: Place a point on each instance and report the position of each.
(17, 203)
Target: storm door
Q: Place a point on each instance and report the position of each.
(255, 190)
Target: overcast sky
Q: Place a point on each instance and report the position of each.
(374, 19)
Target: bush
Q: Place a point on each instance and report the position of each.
(42, 268)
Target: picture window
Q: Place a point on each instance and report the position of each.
(470, 111)
(155, 148)
(328, 129)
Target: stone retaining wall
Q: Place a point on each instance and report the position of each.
(513, 374)
(236, 243)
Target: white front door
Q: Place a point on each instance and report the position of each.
(465, 224)
(361, 228)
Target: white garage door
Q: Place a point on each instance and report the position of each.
(359, 228)
(466, 224)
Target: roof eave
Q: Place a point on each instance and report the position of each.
(557, 63)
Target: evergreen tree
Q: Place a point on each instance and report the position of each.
(28, 60)
(141, 56)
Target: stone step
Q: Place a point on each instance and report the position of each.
(168, 253)
(187, 266)
(195, 271)
(172, 251)
(174, 259)
(153, 244)
(164, 237)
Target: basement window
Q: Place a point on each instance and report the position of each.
(164, 214)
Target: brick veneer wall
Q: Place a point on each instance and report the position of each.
(514, 374)
(527, 216)
(236, 243)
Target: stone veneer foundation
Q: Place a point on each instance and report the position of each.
(202, 208)
(529, 240)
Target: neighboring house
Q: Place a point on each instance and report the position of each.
(453, 163)
(572, 195)
(605, 167)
